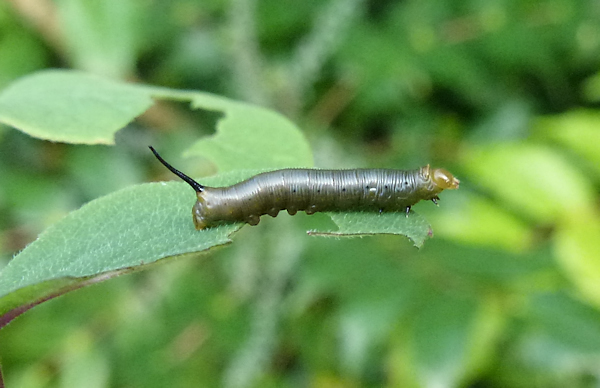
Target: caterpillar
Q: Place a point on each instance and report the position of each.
(314, 190)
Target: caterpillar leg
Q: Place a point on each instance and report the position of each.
(253, 219)
(407, 210)
(435, 200)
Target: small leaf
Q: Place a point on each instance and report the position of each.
(250, 137)
(415, 227)
(71, 107)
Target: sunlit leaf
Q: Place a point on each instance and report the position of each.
(532, 178)
(475, 220)
(577, 130)
(577, 244)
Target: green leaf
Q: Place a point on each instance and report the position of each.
(75, 107)
(101, 35)
(441, 340)
(534, 179)
(250, 137)
(21, 52)
(577, 130)
(414, 226)
(123, 231)
(475, 220)
(567, 320)
(72, 107)
(577, 249)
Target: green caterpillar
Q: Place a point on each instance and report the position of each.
(313, 190)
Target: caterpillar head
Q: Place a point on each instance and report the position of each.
(444, 179)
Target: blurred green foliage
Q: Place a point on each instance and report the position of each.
(502, 93)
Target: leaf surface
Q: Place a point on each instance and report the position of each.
(250, 137)
(125, 230)
(415, 226)
(71, 107)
